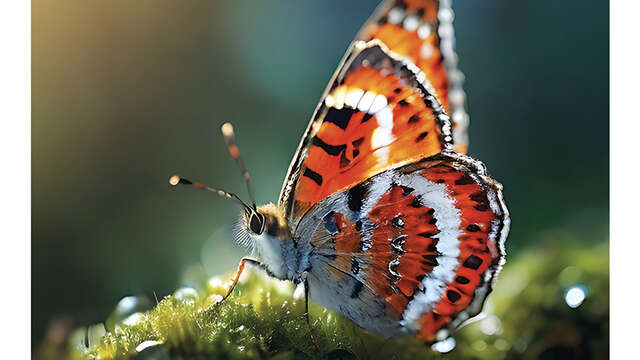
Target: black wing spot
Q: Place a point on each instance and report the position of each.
(366, 118)
(355, 197)
(344, 161)
(339, 117)
(403, 103)
(422, 136)
(465, 180)
(317, 178)
(358, 142)
(453, 296)
(428, 234)
(334, 150)
(430, 260)
(414, 119)
(473, 228)
(406, 190)
(472, 262)
(416, 203)
(478, 197)
(462, 280)
(481, 207)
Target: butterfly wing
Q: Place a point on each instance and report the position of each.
(412, 250)
(422, 31)
(377, 113)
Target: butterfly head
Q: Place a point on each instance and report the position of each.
(265, 230)
(266, 219)
(262, 228)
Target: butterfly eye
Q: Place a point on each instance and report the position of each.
(256, 223)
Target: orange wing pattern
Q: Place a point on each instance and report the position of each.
(422, 31)
(378, 113)
(430, 249)
(484, 224)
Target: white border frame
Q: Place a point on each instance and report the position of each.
(15, 150)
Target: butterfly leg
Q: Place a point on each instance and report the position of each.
(306, 314)
(243, 262)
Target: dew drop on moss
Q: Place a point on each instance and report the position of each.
(186, 295)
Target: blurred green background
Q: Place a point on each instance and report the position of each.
(127, 93)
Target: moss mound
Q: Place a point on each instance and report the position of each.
(528, 316)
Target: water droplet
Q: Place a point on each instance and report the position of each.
(133, 319)
(490, 325)
(127, 303)
(94, 333)
(145, 344)
(152, 350)
(444, 346)
(126, 307)
(186, 295)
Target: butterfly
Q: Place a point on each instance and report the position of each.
(382, 217)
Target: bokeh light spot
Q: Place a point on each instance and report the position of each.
(575, 295)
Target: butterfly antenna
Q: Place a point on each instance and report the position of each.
(230, 139)
(177, 180)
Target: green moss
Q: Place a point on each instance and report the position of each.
(261, 320)
(527, 318)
